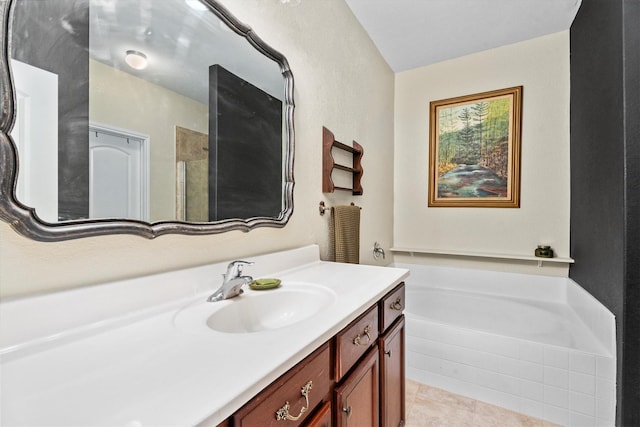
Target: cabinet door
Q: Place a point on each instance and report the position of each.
(322, 418)
(357, 398)
(392, 376)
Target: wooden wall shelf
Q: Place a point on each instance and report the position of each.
(328, 164)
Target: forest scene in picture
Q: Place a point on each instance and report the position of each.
(473, 149)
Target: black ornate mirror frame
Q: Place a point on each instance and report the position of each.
(24, 220)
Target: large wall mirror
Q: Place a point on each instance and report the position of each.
(142, 117)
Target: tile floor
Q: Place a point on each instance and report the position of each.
(428, 406)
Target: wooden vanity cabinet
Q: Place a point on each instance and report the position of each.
(358, 377)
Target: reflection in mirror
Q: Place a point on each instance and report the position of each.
(157, 111)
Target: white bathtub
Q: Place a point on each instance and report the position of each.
(534, 344)
(539, 321)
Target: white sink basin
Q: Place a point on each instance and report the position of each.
(256, 311)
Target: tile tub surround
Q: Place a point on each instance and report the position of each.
(561, 384)
(112, 355)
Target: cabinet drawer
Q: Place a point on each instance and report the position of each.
(391, 307)
(354, 340)
(285, 395)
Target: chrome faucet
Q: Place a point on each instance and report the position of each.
(232, 283)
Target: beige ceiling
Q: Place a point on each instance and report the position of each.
(414, 33)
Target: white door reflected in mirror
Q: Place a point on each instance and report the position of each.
(118, 176)
(35, 133)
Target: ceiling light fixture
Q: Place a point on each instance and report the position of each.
(291, 2)
(196, 5)
(136, 60)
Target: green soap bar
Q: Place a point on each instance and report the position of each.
(261, 284)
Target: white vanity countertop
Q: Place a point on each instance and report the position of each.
(111, 355)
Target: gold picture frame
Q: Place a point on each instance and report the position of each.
(474, 150)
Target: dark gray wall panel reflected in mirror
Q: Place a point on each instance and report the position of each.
(65, 54)
(246, 125)
(94, 130)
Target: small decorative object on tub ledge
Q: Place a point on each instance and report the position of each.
(544, 251)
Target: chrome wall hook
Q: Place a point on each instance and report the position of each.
(322, 208)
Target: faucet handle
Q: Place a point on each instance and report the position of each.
(234, 269)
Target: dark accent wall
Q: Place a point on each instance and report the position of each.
(54, 36)
(605, 176)
(245, 149)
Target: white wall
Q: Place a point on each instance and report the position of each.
(541, 66)
(341, 82)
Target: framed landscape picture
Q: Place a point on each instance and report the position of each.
(474, 150)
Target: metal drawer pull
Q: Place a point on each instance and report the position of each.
(388, 353)
(358, 340)
(283, 413)
(347, 411)
(397, 304)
